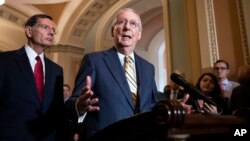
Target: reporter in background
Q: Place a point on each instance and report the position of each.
(66, 92)
(241, 94)
(209, 86)
(173, 91)
(222, 70)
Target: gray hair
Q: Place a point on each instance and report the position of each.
(123, 10)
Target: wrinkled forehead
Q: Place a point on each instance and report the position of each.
(130, 15)
(46, 21)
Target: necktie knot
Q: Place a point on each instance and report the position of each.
(128, 59)
(38, 58)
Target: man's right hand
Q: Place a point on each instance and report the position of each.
(188, 108)
(85, 103)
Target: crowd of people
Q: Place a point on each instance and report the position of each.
(217, 87)
(228, 97)
(35, 108)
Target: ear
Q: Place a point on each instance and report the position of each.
(28, 31)
(139, 35)
(112, 31)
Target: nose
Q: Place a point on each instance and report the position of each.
(127, 25)
(52, 30)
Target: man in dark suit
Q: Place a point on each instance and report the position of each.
(29, 112)
(102, 88)
(240, 95)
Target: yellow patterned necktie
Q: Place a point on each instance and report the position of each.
(131, 77)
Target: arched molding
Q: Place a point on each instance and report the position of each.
(9, 33)
(40, 1)
(69, 57)
(212, 35)
(69, 20)
(65, 48)
(104, 39)
(103, 32)
(243, 31)
(22, 9)
(156, 55)
(12, 19)
(81, 20)
(150, 28)
(162, 69)
(207, 33)
(166, 25)
(14, 13)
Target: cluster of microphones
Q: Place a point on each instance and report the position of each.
(192, 91)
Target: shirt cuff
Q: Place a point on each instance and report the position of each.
(81, 116)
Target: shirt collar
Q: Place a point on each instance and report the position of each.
(121, 56)
(225, 82)
(32, 54)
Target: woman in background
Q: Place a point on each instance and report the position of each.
(209, 86)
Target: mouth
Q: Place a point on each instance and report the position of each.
(49, 39)
(126, 36)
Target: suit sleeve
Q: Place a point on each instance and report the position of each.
(1, 78)
(86, 68)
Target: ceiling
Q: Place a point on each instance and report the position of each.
(81, 23)
(85, 26)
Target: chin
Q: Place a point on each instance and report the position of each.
(46, 45)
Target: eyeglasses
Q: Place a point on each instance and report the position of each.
(123, 22)
(48, 28)
(220, 68)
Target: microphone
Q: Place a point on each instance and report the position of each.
(176, 78)
(193, 92)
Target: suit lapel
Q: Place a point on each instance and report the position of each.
(140, 80)
(24, 64)
(48, 83)
(114, 65)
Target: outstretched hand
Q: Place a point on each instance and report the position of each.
(187, 108)
(85, 103)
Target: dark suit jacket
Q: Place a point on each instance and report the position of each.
(110, 86)
(22, 116)
(240, 97)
